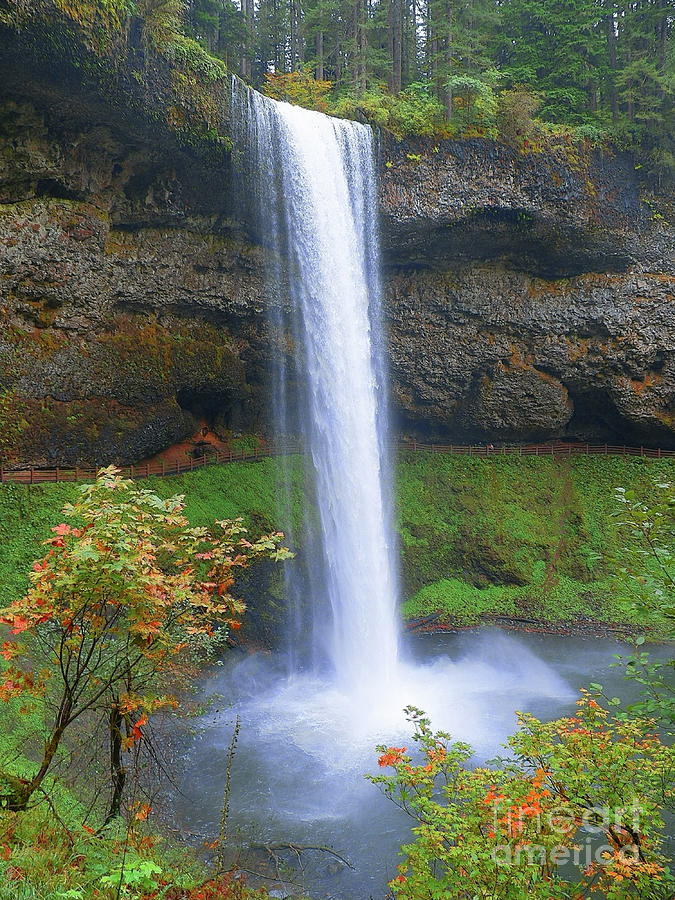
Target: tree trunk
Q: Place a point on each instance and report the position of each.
(447, 93)
(22, 791)
(363, 45)
(245, 66)
(611, 47)
(118, 774)
(318, 74)
(397, 41)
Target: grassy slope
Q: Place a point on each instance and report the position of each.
(215, 492)
(518, 537)
(509, 536)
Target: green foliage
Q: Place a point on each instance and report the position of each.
(518, 537)
(126, 599)
(43, 857)
(191, 55)
(474, 104)
(507, 536)
(578, 809)
(646, 562)
(415, 111)
(515, 115)
(644, 575)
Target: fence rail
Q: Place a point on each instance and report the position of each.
(36, 475)
(556, 448)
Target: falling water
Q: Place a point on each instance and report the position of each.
(316, 192)
(307, 737)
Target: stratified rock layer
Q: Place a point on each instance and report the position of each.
(527, 296)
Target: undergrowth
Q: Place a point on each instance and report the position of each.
(525, 537)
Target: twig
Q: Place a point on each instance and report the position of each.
(58, 818)
(226, 798)
(297, 849)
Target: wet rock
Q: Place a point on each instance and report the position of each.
(527, 297)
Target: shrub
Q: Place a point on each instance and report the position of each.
(515, 115)
(507, 832)
(300, 88)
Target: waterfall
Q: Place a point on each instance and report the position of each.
(314, 183)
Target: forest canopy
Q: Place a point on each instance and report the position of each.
(474, 68)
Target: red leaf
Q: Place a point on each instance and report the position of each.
(143, 812)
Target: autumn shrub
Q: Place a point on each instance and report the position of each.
(127, 600)
(576, 811)
(300, 88)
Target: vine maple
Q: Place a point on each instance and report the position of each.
(128, 598)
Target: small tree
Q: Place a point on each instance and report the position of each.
(127, 600)
(645, 573)
(505, 833)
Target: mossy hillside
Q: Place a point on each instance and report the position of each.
(524, 537)
(136, 58)
(251, 490)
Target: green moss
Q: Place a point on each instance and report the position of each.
(180, 85)
(251, 490)
(527, 538)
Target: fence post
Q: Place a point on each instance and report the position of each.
(131, 471)
(588, 449)
(192, 463)
(536, 450)
(2, 475)
(659, 453)
(163, 468)
(642, 450)
(605, 449)
(57, 474)
(470, 450)
(32, 474)
(551, 449)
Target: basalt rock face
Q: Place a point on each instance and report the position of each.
(488, 353)
(528, 296)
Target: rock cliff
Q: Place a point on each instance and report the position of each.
(528, 296)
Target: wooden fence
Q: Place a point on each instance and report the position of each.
(556, 448)
(36, 475)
